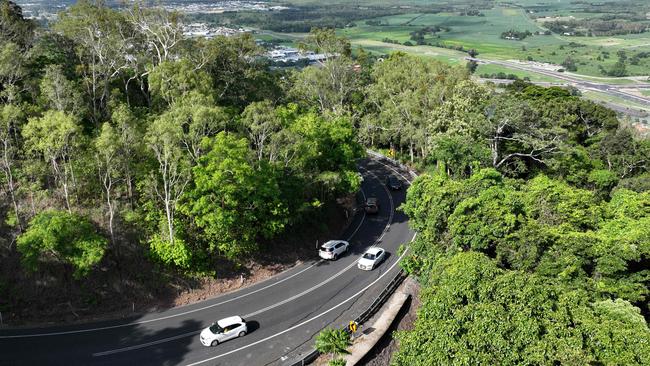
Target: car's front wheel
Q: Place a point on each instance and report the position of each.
(335, 257)
(242, 333)
(214, 343)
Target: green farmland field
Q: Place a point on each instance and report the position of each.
(591, 55)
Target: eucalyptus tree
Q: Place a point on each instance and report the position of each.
(262, 123)
(54, 138)
(199, 118)
(60, 93)
(11, 118)
(164, 138)
(161, 30)
(330, 85)
(158, 37)
(13, 72)
(107, 150)
(103, 44)
(129, 136)
(170, 81)
(407, 101)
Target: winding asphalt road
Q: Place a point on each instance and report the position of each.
(284, 313)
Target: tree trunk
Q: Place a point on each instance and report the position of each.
(10, 184)
(170, 224)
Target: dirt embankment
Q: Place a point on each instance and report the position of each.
(128, 283)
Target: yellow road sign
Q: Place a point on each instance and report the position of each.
(352, 326)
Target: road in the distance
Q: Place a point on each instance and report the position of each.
(284, 313)
(618, 90)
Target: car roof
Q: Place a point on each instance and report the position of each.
(374, 250)
(331, 243)
(229, 321)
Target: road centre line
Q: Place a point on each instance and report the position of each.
(308, 320)
(390, 167)
(164, 340)
(311, 289)
(88, 330)
(152, 320)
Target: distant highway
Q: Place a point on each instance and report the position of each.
(618, 90)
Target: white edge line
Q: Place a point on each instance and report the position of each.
(308, 320)
(260, 311)
(156, 319)
(78, 331)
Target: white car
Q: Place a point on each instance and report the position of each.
(371, 258)
(223, 330)
(333, 249)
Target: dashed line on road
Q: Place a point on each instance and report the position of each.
(311, 289)
(88, 330)
(308, 320)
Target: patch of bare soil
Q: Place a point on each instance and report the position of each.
(127, 284)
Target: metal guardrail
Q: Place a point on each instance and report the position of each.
(364, 316)
(377, 155)
(381, 299)
(385, 293)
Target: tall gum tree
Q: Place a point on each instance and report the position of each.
(164, 139)
(53, 138)
(99, 33)
(329, 86)
(107, 149)
(11, 117)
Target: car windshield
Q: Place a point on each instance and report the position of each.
(326, 249)
(369, 256)
(216, 329)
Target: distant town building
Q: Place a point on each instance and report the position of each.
(194, 30)
(284, 54)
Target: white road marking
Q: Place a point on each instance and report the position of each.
(311, 289)
(106, 353)
(88, 330)
(155, 319)
(308, 320)
(388, 166)
(392, 207)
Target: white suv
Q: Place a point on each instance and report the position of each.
(333, 249)
(224, 330)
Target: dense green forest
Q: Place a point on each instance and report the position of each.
(534, 237)
(128, 149)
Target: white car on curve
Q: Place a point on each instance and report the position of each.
(333, 249)
(223, 330)
(371, 258)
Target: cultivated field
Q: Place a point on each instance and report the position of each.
(591, 55)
